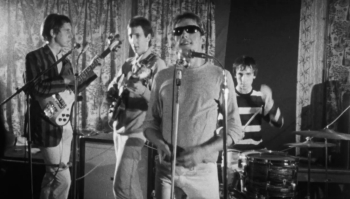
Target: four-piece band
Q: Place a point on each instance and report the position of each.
(188, 111)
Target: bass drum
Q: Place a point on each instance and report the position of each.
(271, 175)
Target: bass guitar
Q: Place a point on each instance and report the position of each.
(57, 107)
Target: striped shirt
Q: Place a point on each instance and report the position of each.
(251, 104)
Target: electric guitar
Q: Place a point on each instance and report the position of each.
(58, 107)
(143, 74)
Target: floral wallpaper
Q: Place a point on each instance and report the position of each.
(92, 21)
(324, 63)
(338, 57)
(310, 65)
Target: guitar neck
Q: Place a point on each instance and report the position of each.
(82, 77)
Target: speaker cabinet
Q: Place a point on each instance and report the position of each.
(97, 158)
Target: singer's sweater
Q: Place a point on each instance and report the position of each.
(200, 97)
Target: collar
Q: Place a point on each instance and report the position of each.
(144, 55)
(49, 49)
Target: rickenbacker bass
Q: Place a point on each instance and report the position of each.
(144, 73)
(57, 107)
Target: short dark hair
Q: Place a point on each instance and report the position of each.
(52, 22)
(243, 62)
(144, 23)
(190, 15)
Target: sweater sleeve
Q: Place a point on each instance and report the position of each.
(154, 112)
(234, 125)
(273, 115)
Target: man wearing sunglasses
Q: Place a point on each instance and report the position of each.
(200, 100)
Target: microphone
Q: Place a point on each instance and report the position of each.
(180, 64)
(76, 46)
(192, 54)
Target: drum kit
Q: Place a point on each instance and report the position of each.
(260, 174)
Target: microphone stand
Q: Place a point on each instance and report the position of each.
(75, 132)
(225, 92)
(176, 88)
(25, 88)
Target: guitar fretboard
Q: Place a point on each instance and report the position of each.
(82, 77)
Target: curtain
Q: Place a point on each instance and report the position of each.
(92, 21)
(161, 13)
(309, 107)
(338, 59)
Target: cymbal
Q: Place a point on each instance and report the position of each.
(309, 143)
(324, 133)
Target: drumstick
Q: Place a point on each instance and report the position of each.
(250, 120)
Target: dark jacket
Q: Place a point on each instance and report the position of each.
(44, 133)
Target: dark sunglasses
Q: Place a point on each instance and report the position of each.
(189, 29)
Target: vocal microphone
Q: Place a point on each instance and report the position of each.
(76, 46)
(192, 54)
(180, 64)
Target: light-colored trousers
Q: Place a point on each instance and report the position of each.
(130, 166)
(57, 180)
(199, 182)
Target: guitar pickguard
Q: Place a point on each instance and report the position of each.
(57, 107)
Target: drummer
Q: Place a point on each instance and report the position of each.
(254, 106)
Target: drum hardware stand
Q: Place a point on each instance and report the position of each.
(25, 88)
(326, 142)
(241, 177)
(308, 173)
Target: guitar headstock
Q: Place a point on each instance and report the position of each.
(114, 42)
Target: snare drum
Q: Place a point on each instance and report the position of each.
(236, 161)
(242, 162)
(271, 175)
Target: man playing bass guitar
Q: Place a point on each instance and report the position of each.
(131, 88)
(54, 139)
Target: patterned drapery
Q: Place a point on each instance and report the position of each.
(338, 58)
(161, 14)
(310, 65)
(93, 21)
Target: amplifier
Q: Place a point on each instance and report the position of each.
(96, 170)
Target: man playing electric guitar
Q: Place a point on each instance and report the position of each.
(132, 89)
(54, 140)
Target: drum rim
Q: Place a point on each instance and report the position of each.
(271, 157)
